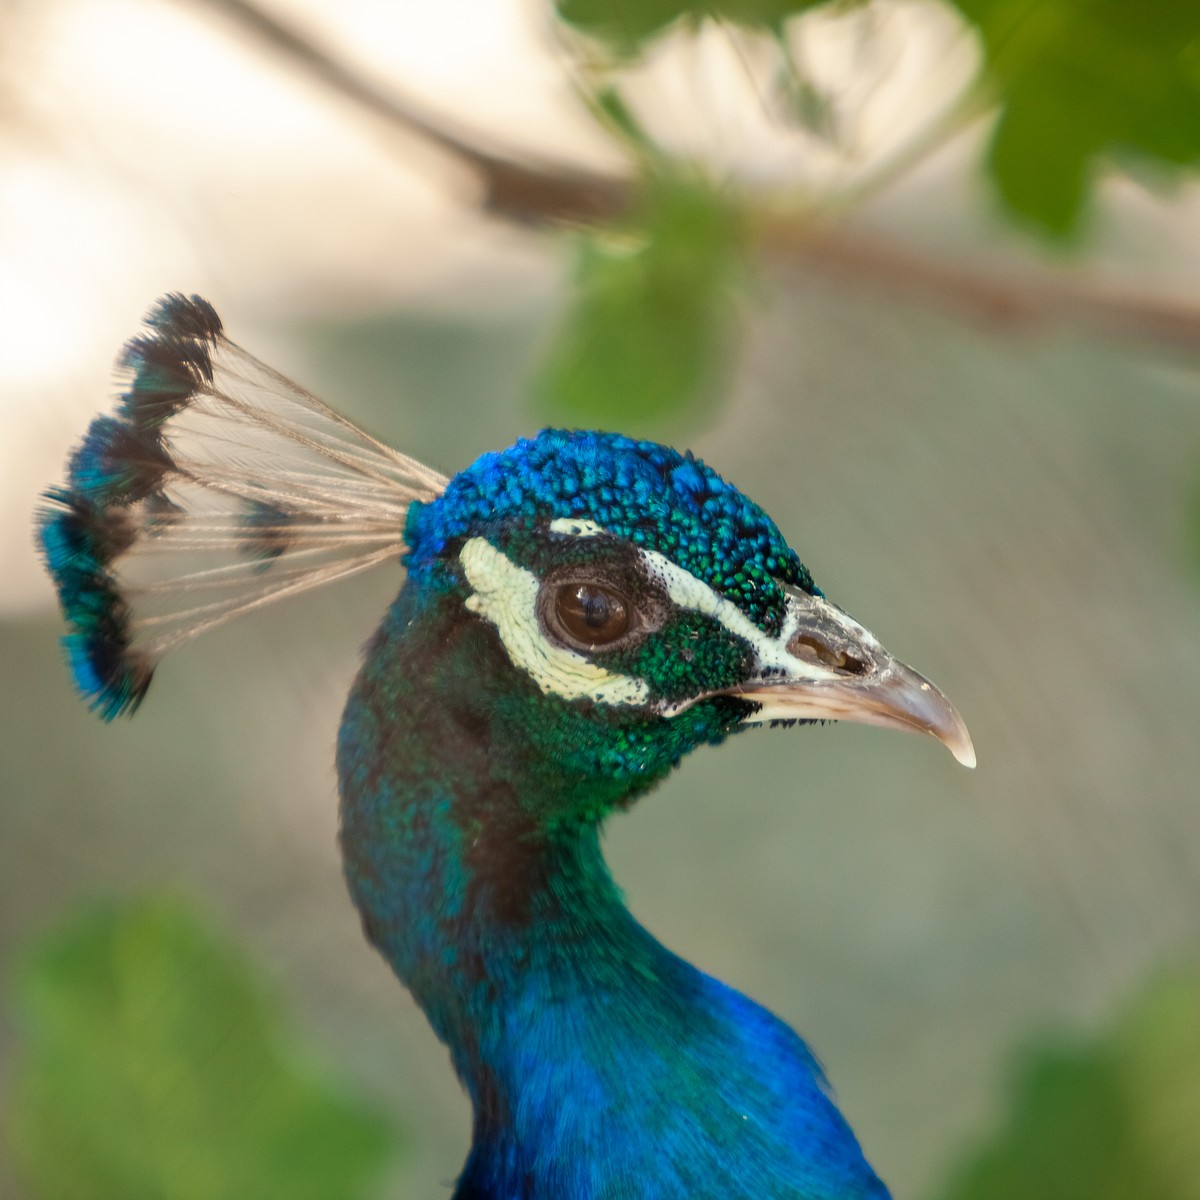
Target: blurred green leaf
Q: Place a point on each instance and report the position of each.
(1194, 515)
(1080, 81)
(626, 25)
(155, 1069)
(612, 107)
(807, 106)
(650, 329)
(1115, 1120)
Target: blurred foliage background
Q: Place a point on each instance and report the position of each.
(920, 275)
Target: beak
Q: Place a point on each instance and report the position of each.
(833, 669)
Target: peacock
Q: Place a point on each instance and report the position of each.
(578, 612)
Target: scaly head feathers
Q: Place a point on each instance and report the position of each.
(646, 494)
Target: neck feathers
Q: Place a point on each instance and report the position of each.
(598, 1063)
(463, 881)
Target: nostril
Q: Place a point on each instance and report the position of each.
(812, 649)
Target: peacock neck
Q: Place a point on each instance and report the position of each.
(598, 1063)
(502, 919)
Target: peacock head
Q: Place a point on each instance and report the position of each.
(637, 605)
(622, 602)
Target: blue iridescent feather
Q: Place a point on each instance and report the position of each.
(120, 462)
(599, 1064)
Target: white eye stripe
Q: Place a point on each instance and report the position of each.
(691, 593)
(506, 595)
(576, 527)
(772, 653)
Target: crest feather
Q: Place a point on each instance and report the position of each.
(218, 486)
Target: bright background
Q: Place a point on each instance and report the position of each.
(1010, 506)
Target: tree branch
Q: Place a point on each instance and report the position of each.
(535, 192)
(1028, 300)
(525, 191)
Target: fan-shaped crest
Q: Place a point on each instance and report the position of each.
(218, 486)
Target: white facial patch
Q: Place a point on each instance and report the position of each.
(506, 595)
(576, 527)
(688, 592)
(772, 653)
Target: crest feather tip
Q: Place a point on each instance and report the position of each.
(111, 679)
(177, 315)
(117, 463)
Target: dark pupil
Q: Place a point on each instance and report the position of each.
(595, 607)
(592, 614)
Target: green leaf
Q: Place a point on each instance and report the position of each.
(611, 106)
(1081, 83)
(627, 25)
(1194, 522)
(649, 332)
(1113, 1120)
(768, 15)
(1158, 1050)
(155, 1069)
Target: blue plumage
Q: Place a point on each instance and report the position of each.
(599, 1064)
(121, 464)
(581, 610)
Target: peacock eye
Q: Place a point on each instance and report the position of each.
(591, 615)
